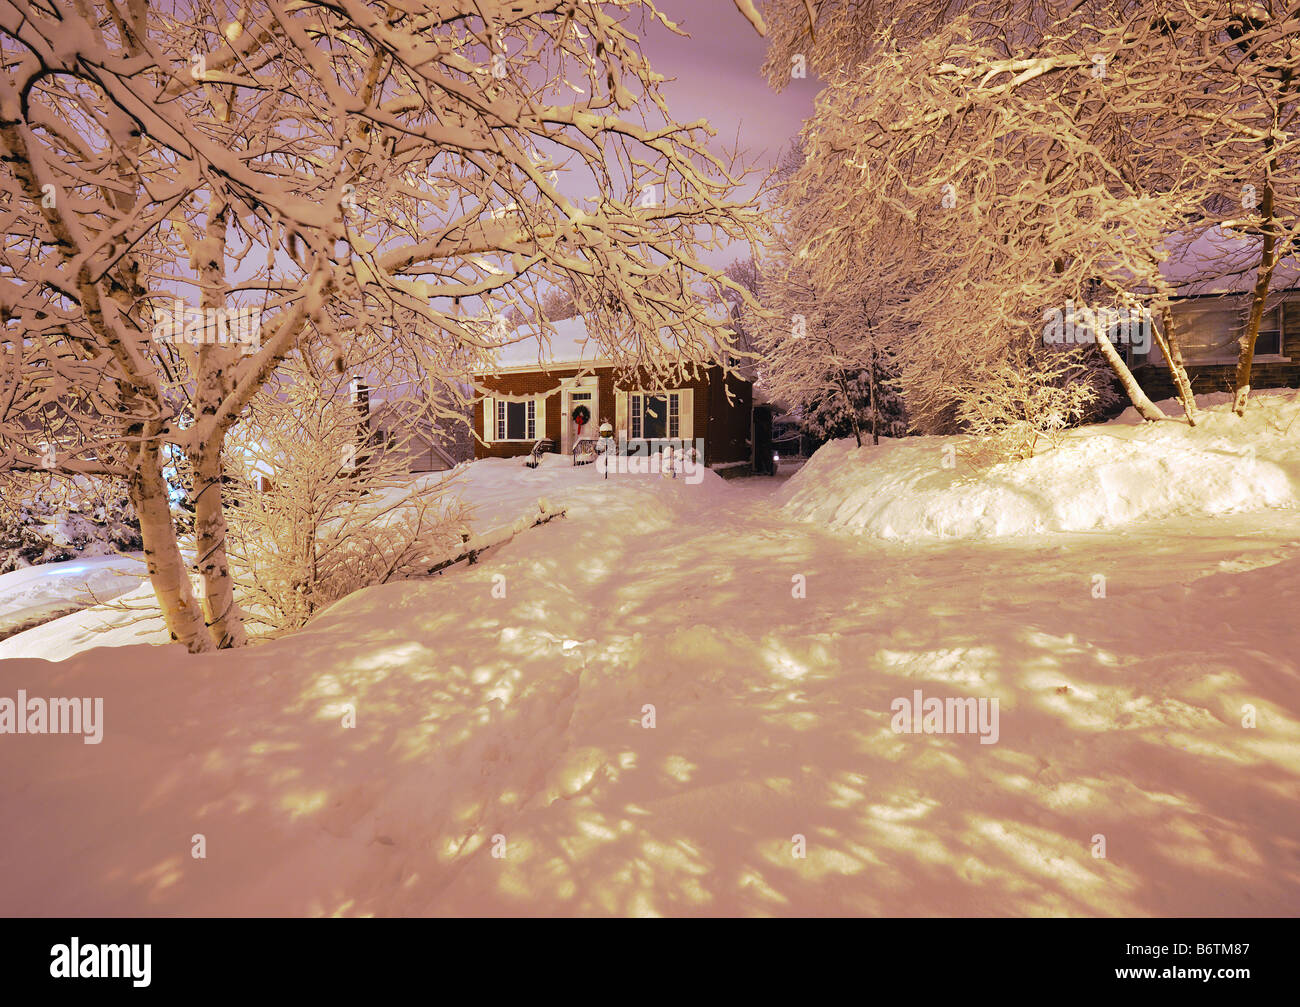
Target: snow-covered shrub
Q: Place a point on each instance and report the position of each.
(317, 508)
(47, 521)
(1016, 406)
(179, 476)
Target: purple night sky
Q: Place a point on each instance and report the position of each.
(717, 72)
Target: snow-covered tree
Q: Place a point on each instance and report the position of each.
(748, 275)
(822, 339)
(45, 521)
(409, 170)
(558, 305)
(1041, 154)
(852, 405)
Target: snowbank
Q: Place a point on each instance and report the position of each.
(1102, 476)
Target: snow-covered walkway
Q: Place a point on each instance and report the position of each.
(514, 726)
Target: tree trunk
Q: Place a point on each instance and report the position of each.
(1263, 280)
(871, 385)
(225, 622)
(162, 553)
(853, 409)
(1147, 409)
(215, 365)
(1173, 354)
(1246, 343)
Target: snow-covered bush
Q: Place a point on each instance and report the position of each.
(1015, 406)
(44, 521)
(318, 509)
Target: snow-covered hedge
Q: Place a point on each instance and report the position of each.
(1100, 476)
(61, 522)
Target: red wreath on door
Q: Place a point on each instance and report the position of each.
(581, 416)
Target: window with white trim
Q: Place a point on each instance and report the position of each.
(516, 421)
(1269, 340)
(655, 415)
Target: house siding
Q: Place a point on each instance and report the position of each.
(729, 424)
(411, 437)
(420, 456)
(1154, 377)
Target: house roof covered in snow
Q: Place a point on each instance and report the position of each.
(569, 344)
(1215, 262)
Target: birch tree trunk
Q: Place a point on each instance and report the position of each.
(215, 363)
(1173, 354)
(225, 622)
(162, 554)
(1147, 409)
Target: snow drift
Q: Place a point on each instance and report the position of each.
(1102, 476)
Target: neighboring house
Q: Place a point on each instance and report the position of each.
(412, 436)
(530, 397)
(404, 428)
(1214, 276)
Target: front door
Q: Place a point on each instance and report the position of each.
(569, 431)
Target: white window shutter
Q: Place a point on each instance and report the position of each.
(686, 414)
(540, 430)
(489, 419)
(621, 415)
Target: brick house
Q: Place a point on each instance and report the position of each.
(525, 401)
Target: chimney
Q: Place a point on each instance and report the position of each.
(361, 395)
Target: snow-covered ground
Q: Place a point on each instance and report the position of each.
(772, 650)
